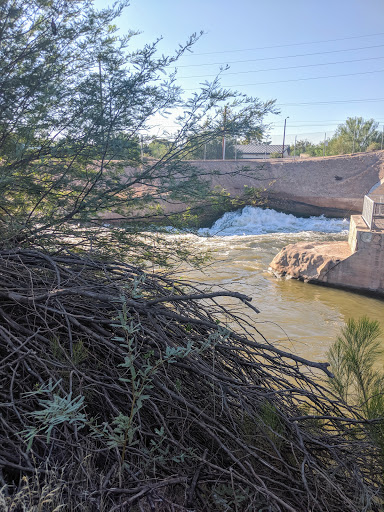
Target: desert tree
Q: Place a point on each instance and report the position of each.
(355, 135)
(74, 103)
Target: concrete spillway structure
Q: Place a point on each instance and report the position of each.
(357, 264)
(333, 186)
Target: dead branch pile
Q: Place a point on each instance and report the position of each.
(133, 390)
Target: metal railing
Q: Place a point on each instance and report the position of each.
(373, 210)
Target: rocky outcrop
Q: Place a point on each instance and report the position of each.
(357, 264)
(308, 261)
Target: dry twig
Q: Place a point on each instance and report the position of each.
(179, 410)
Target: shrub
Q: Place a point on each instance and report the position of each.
(374, 146)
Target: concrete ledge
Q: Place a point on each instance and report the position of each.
(357, 264)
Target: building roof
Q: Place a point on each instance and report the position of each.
(261, 148)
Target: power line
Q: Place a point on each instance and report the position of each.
(284, 68)
(320, 103)
(290, 136)
(298, 79)
(320, 124)
(324, 122)
(285, 45)
(332, 102)
(281, 57)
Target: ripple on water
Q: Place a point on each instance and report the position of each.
(301, 317)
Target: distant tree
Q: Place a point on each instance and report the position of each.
(355, 135)
(209, 145)
(157, 148)
(307, 147)
(374, 146)
(253, 131)
(253, 136)
(302, 146)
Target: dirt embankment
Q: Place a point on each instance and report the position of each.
(334, 186)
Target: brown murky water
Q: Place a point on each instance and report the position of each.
(299, 317)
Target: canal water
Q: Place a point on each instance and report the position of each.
(299, 317)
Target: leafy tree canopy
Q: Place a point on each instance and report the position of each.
(355, 135)
(74, 103)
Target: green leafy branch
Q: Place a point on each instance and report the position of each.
(55, 410)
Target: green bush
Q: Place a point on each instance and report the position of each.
(356, 379)
(374, 146)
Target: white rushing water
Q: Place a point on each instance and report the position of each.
(257, 221)
(297, 316)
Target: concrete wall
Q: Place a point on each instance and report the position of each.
(364, 269)
(334, 186)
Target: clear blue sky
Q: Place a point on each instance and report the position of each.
(259, 39)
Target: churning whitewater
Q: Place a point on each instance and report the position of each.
(297, 317)
(258, 221)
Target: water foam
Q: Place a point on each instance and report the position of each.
(257, 221)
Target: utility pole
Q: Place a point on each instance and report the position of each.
(225, 119)
(285, 124)
(382, 135)
(325, 143)
(294, 149)
(205, 151)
